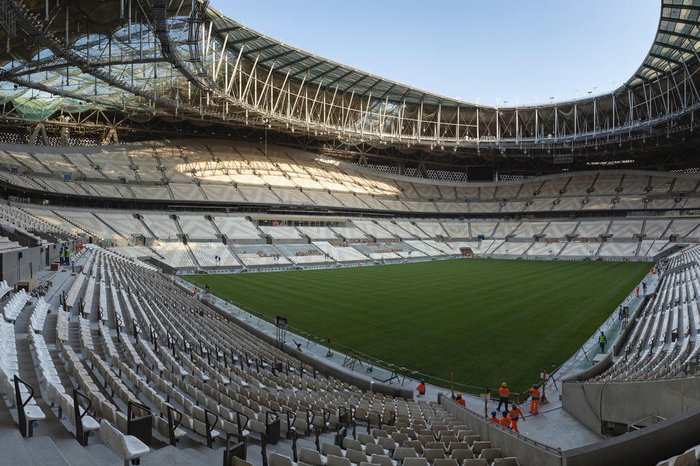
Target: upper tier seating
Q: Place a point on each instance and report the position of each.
(248, 173)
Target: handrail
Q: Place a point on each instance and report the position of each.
(310, 418)
(173, 423)
(24, 429)
(241, 425)
(290, 425)
(77, 393)
(230, 451)
(134, 404)
(210, 426)
(19, 396)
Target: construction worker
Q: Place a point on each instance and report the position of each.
(505, 420)
(515, 415)
(494, 418)
(67, 255)
(460, 401)
(421, 388)
(503, 394)
(534, 400)
(60, 256)
(602, 341)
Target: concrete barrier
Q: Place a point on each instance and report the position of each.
(645, 447)
(594, 404)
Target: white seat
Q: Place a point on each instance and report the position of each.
(127, 447)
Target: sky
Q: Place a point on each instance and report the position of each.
(494, 52)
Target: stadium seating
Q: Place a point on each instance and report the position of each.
(292, 177)
(662, 342)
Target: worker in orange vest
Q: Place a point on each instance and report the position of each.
(421, 388)
(503, 394)
(534, 399)
(494, 418)
(505, 420)
(515, 415)
(460, 401)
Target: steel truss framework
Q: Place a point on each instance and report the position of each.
(179, 65)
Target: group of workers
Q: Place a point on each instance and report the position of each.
(64, 255)
(65, 252)
(509, 417)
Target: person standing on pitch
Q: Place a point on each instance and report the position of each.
(534, 400)
(602, 341)
(503, 394)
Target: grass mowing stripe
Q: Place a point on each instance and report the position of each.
(486, 320)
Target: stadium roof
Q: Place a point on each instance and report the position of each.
(131, 64)
(675, 44)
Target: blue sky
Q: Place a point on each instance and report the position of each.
(510, 51)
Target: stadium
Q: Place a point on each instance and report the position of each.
(215, 246)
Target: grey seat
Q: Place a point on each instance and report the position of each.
(401, 453)
(331, 449)
(355, 456)
(432, 454)
(383, 460)
(312, 457)
(490, 454)
(374, 449)
(415, 462)
(475, 462)
(462, 454)
(333, 460)
(126, 447)
(480, 445)
(445, 462)
(275, 459)
(510, 461)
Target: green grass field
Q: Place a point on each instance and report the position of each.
(486, 320)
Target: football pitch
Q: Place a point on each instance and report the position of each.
(487, 321)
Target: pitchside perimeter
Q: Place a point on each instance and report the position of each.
(485, 321)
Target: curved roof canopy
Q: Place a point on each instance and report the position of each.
(182, 61)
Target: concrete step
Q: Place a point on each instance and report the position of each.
(75, 453)
(102, 455)
(173, 456)
(62, 372)
(50, 327)
(15, 450)
(44, 451)
(195, 455)
(27, 371)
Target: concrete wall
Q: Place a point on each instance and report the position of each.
(21, 265)
(645, 447)
(627, 402)
(528, 452)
